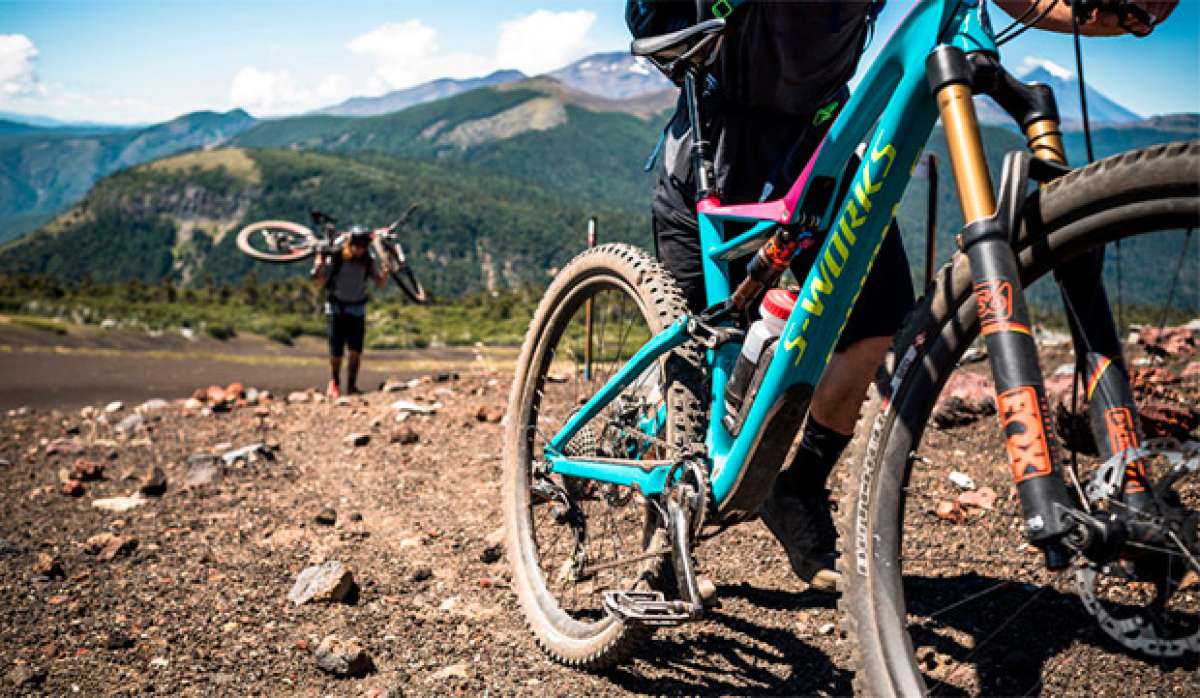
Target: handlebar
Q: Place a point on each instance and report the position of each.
(402, 219)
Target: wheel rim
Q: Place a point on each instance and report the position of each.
(570, 585)
(277, 241)
(403, 275)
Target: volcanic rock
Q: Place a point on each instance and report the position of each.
(325, 583)
(342, 657)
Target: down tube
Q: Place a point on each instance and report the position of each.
(834, 282)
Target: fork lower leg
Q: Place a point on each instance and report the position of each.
(1112, 412)
(1003, 316)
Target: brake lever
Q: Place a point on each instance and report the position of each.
(1143, 21)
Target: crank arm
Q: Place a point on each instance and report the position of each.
(681, 556)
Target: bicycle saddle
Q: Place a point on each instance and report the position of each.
(664, 49)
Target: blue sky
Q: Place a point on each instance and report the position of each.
(143, 61)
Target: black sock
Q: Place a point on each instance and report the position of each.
(819, 450)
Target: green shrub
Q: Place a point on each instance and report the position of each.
(281, 335)
(41, 323)
(220, 332)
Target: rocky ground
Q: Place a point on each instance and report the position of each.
(141, 553)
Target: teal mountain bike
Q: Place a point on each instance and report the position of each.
(620, 458)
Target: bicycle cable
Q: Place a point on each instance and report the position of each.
(1004, 36)
(1091, 157)
(1024, 16)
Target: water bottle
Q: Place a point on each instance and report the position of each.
(775, 309)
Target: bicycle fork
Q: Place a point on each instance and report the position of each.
(1051, 515)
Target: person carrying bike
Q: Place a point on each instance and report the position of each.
(773, 91)
(344, 274)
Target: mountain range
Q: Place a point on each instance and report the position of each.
(615, 75)
(506, 173)
(425, 92)
(46, 168)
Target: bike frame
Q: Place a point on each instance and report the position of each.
(893, 113)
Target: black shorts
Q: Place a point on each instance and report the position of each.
(346, 330)
(886, 298)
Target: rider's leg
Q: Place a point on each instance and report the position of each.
(337, 343)
(838, 399)
(797, 511)
(356, 331)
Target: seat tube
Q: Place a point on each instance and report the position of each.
(1003, 314)
(1112, 412)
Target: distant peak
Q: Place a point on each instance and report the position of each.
(1033, 64)
(612, 75)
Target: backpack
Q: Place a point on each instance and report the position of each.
(654, 17)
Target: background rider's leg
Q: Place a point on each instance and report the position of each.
(352, 370)
(337, 343)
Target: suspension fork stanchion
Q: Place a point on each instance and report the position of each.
(1003, 315)
(1112, 412)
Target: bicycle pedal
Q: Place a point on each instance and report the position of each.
(648, 608)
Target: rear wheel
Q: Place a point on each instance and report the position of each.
(935, 606)
(277, 241)
(570, 540)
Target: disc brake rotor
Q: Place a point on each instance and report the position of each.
(1117, 594)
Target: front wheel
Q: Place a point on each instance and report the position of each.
(935, 603)
(570, 540)
(402, 273)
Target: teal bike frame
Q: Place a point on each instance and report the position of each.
(893, 113)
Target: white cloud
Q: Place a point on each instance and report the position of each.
(21, 91)
(268, 93)
(410, 52)
(544, 40)
(407, 53)
(16, 65)
(1031, 63)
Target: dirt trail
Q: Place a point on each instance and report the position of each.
(86, 366)
(200, 606)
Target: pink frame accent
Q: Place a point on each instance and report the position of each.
(779, 210)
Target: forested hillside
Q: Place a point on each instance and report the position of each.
(175, 219)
